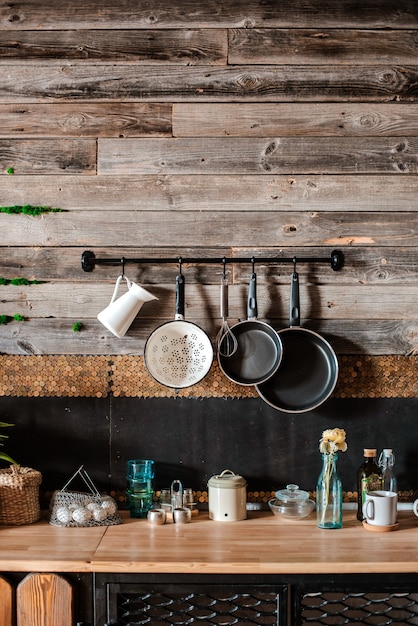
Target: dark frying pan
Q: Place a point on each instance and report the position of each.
(259, 350)
(309, 369)
(178, 353)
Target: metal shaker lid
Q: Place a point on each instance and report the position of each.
(227, 480)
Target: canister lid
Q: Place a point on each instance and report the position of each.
(227, 480)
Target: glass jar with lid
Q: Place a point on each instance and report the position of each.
(292, 503)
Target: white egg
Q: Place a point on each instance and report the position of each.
(63, 514)
(109, 506)
(81, 516)
(92, 506)
(99, 514)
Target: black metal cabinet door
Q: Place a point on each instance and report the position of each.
(128, 600)
(363, 600)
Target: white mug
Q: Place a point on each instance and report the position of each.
(119, 314)
(380, 508)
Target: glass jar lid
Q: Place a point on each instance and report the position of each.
(292, 494)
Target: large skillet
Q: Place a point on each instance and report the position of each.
(259, 350)
(178, 353)
(309, 369)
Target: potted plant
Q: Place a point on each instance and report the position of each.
(3, 455)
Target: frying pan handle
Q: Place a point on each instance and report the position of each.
(252, 310)
(294, 311)
(179, 297)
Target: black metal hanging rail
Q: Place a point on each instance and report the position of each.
(89, 260)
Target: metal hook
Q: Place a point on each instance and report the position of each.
(224, 264)
(294, 260)
(123, 266)
(180, 260)
(252, 264)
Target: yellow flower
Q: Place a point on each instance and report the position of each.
(332, 441)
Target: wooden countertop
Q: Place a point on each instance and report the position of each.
(262, 544)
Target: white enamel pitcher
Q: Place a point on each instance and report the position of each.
(119, 314)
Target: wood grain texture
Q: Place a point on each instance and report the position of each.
(27, 156)
(87, 120)
(180, 47)
(204, 547)
(187, 229)
(34, 14)
(72, 299)
(44, 600)
(50, 336)
(32, 82)
(276, 155)
(6, 603)
(287, 120)
(219, 128)
(363, 265)
(299, 547)
(227, 192)
(304, 46)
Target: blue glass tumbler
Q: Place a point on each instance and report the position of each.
(140, 486)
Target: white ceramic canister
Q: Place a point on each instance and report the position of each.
(227, 497)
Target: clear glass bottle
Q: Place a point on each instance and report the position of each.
(386, 463)
(369, 478)
(329, 494)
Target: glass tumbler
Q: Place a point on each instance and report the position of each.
(140, 486)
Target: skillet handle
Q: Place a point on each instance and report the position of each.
(294, 311)
(179, 297)
(252, 310)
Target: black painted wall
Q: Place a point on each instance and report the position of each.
(192, 439)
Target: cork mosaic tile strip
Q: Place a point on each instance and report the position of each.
(126, 376)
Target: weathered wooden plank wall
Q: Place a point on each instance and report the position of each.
(209, 129)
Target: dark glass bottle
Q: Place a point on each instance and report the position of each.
(369, 478)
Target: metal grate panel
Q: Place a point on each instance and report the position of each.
(220, 608)
(351, 609)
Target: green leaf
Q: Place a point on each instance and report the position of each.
(6, 457)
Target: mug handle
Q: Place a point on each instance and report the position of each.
(415, 507)
(118, 282)
(366, 513)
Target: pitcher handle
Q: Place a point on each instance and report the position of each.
(118, 282)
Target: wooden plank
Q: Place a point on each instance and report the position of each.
(41, 14)
(363, 265)
(85, 120)
(297, 120)
(181, 47)
(44, 600)
(54, 336)
(33, 82)
(81, 301)
(193, 229)
(323, 45)
(27, 156)
(244, 193)
(238, 155)
(6, 603)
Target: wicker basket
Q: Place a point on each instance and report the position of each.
(19, 495)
